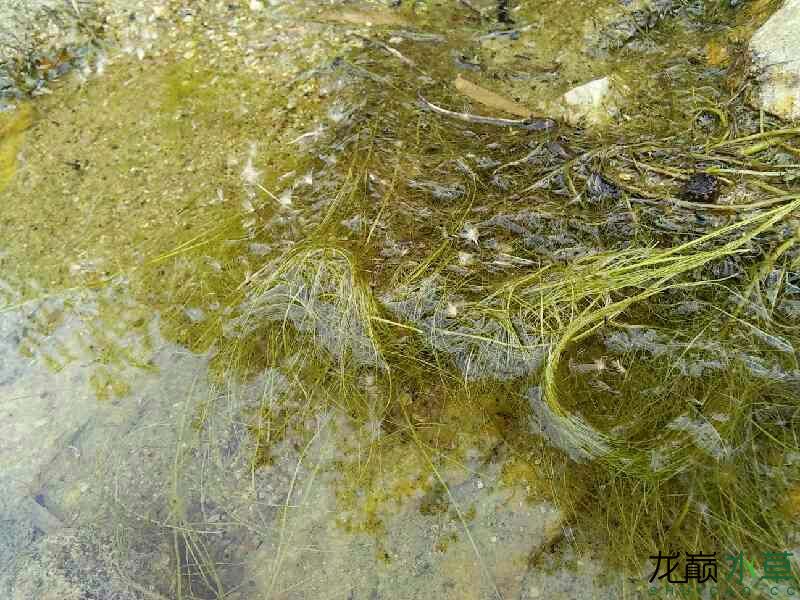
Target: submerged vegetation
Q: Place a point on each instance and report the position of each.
(571, 307)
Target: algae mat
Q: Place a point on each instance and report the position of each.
(272, 329)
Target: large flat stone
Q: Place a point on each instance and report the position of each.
(776, 56)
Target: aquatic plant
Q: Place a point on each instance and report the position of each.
(547, 302)
(319, 291)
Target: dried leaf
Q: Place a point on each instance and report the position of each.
(489, 98)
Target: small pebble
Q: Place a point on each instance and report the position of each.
(701, 187)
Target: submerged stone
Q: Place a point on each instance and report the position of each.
(775, 48)
(701, 187)
(592, 103)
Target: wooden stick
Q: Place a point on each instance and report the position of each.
(531, 124)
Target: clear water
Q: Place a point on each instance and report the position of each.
(270, 330)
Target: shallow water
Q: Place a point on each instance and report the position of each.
(268, 329)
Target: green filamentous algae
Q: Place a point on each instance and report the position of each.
(373, 300)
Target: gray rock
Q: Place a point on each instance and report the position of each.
(594, 103)
(776, 57)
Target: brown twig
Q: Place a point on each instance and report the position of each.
(393, 51)
(531, 124)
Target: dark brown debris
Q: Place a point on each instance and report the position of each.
(701, 187)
